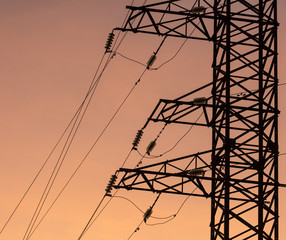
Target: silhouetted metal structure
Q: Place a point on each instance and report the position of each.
(240, 171)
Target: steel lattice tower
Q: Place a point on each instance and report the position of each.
(243, 159)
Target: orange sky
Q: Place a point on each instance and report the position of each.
(49, 53)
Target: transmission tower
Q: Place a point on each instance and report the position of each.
(239, 173)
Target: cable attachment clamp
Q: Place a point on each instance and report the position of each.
(110, 185)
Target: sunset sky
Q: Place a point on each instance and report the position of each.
(50, 51)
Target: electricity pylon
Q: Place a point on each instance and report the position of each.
(239, 173)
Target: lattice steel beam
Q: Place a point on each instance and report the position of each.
(241, 109)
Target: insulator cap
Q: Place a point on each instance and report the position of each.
(150, 147)
(151, 61)
(109, 41)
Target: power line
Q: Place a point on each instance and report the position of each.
(132, 89)
(162, 154)
(161, 223)
(136, 229)
(101, 210)
(91, 90)
(164, 222)
(110, 57)
(151, 145)
(164, 63)
(62, 192)
(103, 131)
(51, 153)
(65, 150)
(135, 205)
(178, 51)
(97, 138)
(144, 220)
(90, 222)
(178, 211)
(80, 164)
(101, 134)
(176, 144)
(169, 60)
(130, 59)
(85, 229)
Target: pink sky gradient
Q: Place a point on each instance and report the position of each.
(49, 53)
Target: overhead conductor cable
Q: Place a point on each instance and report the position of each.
(153, 143)
(108, 47)
(90, 91)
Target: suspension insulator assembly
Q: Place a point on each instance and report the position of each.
(137, 138)
(196, 172)
(151, 61)
(110, 185)
(150, 147)
(198, 10)
(147, 214)
(109, 42)
(200, 101)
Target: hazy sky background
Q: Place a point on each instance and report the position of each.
(49, 53)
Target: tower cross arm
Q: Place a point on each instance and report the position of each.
(174, 111)
(182, 183)
(169, 18)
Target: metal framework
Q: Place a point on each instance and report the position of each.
(239, 173)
